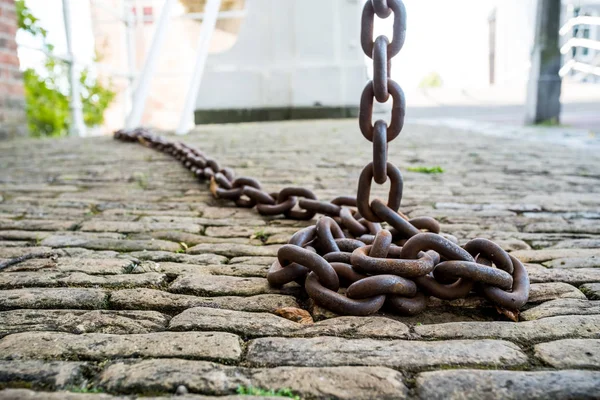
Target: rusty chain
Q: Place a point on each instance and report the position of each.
(399, 266)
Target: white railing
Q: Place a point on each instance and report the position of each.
(587, 67)
(139, 83)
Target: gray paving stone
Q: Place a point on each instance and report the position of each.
(513, 385)
(551, 328)
(540, 292)
(331, 351)
(562, 307)
(79, 321)
(574, 262)
(200, 259)
(53, 298)
(12, 252)
(570, 353)
(14, 280)
(37, 224)
(151, 299)
(592, 290)
(50, 374)
(133, 227)
(533, 256)
(216, 285)
(209, 378)
(575, 276)
(217, 346)
(243, 270)
(251, 324)
(110, 244)
(25, 394)
(94, 266)
(253, 260)
(234, 250)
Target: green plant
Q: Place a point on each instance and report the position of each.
(431, 80)
(427, 170)
(261, 235)
(253, 391)
(46, 96)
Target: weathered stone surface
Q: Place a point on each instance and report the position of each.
(245, 323)
(253, 260)
(550, 328)
(575, 276)
(215, 285)
(98, 346)
(49, 298)
(205, 377)
(262, 324)
(79, 321)
(331, 351)
(200, 259)
(151, 299)
(553, 290)
(110, 244)
(12, 252)
(132, 227)
(513, 385)
(50, 374)
(37, 224)
(234, 250)
(25, 394)
(572, 262)
(570, 353)
(13, 280)
(532, 256)
(562, 307)
(24, 235)
(592, 290)
(97, 266)
(243, 270)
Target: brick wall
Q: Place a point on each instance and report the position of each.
(12, 101)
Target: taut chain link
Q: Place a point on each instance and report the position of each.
(398, 266)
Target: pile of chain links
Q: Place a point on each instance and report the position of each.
(348, 247)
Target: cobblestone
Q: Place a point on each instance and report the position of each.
(98, 346)
(562, 307)
(151, 299)
(52, 298)
(331, 351)
(550, 328)
(513, 385)
(51, 374)
(570, 353)
(210, 378)
(142, 282)
(79, 321)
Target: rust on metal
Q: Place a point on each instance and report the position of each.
(396, 265)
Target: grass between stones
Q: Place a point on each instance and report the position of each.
(427, 170)
(254, 391)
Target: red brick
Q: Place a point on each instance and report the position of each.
(9, 58)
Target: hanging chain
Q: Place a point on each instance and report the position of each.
(400, 265)
(381, 51)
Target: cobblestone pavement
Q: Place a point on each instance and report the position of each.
(152, 286)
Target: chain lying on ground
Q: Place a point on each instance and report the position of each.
(349, 248)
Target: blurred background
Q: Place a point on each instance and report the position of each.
(88, 67)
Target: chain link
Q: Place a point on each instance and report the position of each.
(399, 266)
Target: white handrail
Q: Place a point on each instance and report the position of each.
(582, 20)
(143, 87)
(580, 42)
(206, 31)
(77, 126)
